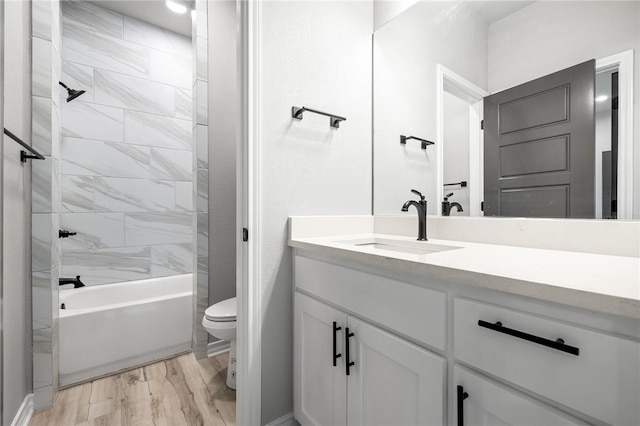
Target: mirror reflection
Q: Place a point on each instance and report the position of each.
(530, 106)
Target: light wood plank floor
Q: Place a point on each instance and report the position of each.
(178, 391)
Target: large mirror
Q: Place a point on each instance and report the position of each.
(530, 107)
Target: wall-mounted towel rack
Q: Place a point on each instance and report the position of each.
(423, 145)
(23, 155)
(462, 184)
(334, 120)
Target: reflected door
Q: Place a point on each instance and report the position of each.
(539, 147)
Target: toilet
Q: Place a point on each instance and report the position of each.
(220, 321)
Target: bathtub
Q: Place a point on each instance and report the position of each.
(106, 328)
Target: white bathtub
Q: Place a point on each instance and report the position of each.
(106, 328)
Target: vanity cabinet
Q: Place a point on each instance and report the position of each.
(349, 372)
(592, 372)
(483, 402)
(419, 345)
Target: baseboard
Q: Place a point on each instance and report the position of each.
(286, 420)
(23, 416)
(217, 348)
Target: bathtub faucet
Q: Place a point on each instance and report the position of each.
(75, 281)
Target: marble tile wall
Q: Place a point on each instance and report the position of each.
(46, 196)
(200, 188)
(126, 148)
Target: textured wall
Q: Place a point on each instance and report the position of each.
(316, 54)
(126, 148)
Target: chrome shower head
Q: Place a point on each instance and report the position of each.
(72, 94)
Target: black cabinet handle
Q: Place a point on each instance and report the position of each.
(348, 362)
(335, 348)
(462, 395)
(555, 344)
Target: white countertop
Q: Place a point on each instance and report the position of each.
(603, 283)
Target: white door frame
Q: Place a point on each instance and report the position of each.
(248, 208)
(624, 63)
(449, 81)
(454, 83)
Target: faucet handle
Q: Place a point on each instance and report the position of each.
(418, 194)
(446, 197)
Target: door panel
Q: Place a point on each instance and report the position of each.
(539, 143)
(320, 388)
(392, 382)
(551, 201)
(521, 158)
(538, 109)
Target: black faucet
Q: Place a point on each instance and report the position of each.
(421, 207)
(75, 281)
(447, 206)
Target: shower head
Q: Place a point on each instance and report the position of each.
(71, 92)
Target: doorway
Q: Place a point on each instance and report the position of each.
(459, 150)
(622, 175)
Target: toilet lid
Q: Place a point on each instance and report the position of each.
(222, 311)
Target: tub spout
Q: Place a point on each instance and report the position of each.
(75, 281)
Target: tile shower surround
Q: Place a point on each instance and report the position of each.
(45, 136)
(139, 128)
(126, 158)
(200, 165)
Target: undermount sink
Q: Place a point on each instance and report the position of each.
(412, 247)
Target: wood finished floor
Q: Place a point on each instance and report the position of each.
(178, 391)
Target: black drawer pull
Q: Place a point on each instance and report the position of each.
(462, 395)
(555, 344)
(335, 345)
(348, 362)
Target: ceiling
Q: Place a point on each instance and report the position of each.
(152, 11)
(493, 11)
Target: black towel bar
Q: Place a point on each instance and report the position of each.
(334, 120)
(23, 155)
(423, 145)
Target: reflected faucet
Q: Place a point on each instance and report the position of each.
(421, 207)
(75, 281)
(447, 206)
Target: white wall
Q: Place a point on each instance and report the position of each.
(385, 10)
(222, 150)
(407, 51)
(314, 54)
(549, 36)
(16, 232)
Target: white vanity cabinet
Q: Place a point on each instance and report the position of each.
(591, 372)
(320, 383)
(480, 401)
(420, 344)
(370, 377)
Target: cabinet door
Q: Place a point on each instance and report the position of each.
(392, 381)
(320, 389)
(488, 403)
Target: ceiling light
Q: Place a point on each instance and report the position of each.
(176, 6)
(602, 98)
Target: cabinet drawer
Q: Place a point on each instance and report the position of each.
(602, 380)
(413, 311)
(483, 402)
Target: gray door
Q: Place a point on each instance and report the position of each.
(539, 147)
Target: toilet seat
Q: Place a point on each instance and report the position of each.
(224, 311)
